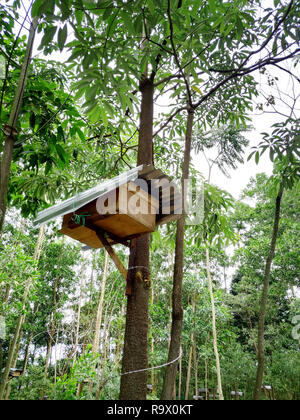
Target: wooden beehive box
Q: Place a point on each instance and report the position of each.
(15, 373)
(123, 213)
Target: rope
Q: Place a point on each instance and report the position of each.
(79, 219)
(155, 367)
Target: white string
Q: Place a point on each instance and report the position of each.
(155, 367)
(147, 369)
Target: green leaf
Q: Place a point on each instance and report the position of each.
(32, 120)
(104, 117)
(91, 93)
(62, 37)
(250, 156)
(109, 109)
(94, 114)
(41, 6)
(212, 5)
(35, 7)
(48, 35)
(256, 158)
(60, 134)
(151, 6)
(87, 61)
(80, 134)
(48, 167)
(79, 16)
(196, 89)
(128, 22)
(64, 157)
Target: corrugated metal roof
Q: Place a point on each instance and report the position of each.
(147, 172)
(78, 201)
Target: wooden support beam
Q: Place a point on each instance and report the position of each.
(112, 253)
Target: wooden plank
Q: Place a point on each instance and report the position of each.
(112, 254)
(115, 238)
(83, 235)
(123, 225)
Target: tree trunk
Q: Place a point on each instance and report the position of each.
(96, 341)
(177, 310)
(214, 328)
(13, 366)
(78, 314)
(10, 128)
(195, 369)
(53, 324)
(119, 337)
(135, 354)
(20, 320)
(152, 342)
(188, 375)
(264, 298)
(180, 379)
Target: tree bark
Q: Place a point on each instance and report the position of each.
(177, 310)
(13, 366)
(10, 128)
(214, 328)
(96, 341)
(79, 313)
(53, 325)
(20, 320)
(264, 299)
(119, 335)
(189, 368)
(135, 353)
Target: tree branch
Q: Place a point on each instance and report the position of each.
(189, 93)
(185, 108)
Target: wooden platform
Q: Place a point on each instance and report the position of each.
(121, 214)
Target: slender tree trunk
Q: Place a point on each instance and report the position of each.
(135, 354)
(103, 346)
(189, 368)
(53, 325)
(78, 314)
(119, 337)
(96, 341)
(195, 368)
(52, 331)
(180, 379)
(177, 310)
(10, 129)
(20, 320)
(214, 328)
(251, 330)
(27, 351)
(13, 366)
(206, 372)
(152, 342)
(264, 298)
(55, 355)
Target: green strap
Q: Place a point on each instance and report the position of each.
(79, 219)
